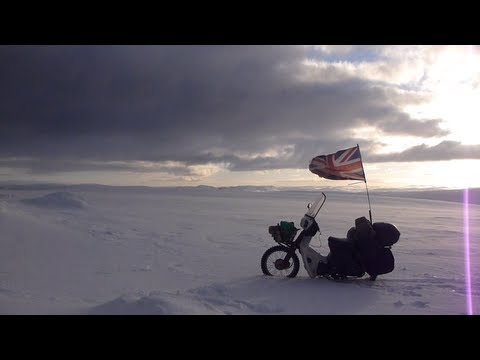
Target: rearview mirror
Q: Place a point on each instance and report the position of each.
(309, 205)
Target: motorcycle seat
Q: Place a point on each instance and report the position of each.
(337, 243)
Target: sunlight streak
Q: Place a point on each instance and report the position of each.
(466, 235)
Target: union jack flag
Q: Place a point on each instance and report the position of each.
(342, 165)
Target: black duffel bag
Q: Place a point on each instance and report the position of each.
(386, 234)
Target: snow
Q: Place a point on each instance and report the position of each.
(137, 250)
(62, 199)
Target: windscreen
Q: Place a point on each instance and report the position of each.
(316, 205)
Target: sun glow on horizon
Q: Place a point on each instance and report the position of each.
(453, 81)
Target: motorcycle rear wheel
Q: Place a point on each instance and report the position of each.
(272, 263)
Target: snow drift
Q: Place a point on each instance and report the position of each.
(61, 199)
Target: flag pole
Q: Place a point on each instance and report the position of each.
(365, 176)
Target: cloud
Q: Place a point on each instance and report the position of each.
(68, 108)
(35, 166)
(446, 150)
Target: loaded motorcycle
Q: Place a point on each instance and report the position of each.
(366, 249)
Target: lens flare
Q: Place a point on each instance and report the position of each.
(468, 284)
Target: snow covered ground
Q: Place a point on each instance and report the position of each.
(113, 250)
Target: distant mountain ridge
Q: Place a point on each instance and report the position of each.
(451, 195)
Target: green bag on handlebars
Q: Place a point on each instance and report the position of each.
(287, 230)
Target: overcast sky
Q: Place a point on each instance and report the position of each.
(236, 115)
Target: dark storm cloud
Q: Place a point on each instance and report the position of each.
(38, 166)
(446, 150)
(71, 107)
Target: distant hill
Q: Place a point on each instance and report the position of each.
(452, 195)
(456, 195)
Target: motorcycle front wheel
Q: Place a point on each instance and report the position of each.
(273, 263)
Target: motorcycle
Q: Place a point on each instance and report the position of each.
(365, 250)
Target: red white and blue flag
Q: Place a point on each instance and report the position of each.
(342, 165)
